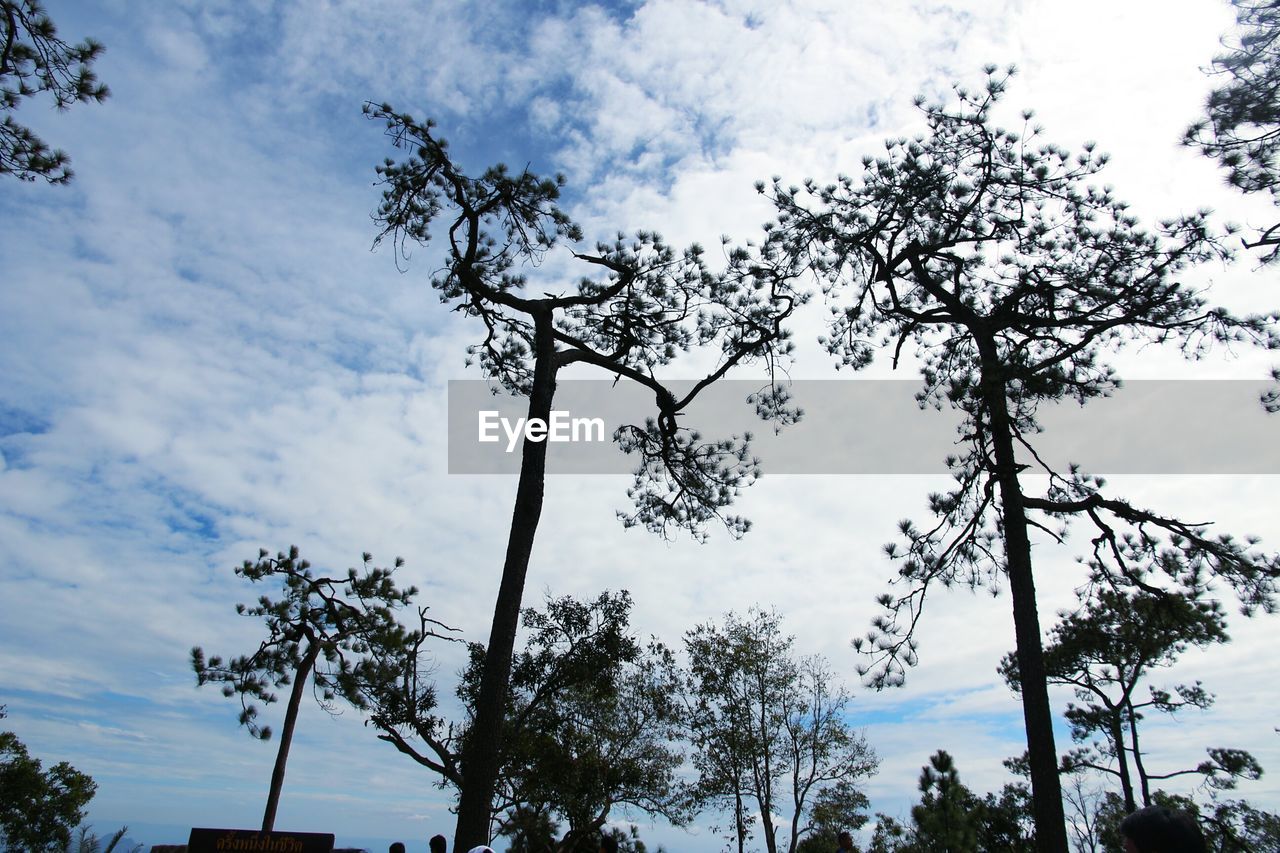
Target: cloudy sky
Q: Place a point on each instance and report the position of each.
(200, 356)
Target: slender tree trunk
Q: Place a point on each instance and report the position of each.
(766, 826)
(1137, 758)
(1046, 788)
(764, 798)
(481, 756)
(286, 734)
(1126, 781)
(797, 809)
(764, 773)
(737, 815)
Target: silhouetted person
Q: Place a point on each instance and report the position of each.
(397, 847)
(1157, 829)
(438, 844)
(846, 843)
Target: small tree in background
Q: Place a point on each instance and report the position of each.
(841, 807)
(890, 836)
(650, 304)
(1103, 651)
(1006, 822)
(769, 728)
(950, 818)
(38, 807)
(33, 60)
(739, 675)
(946, 819)
(1234, 826)
(593, 721)
(1087, 813)
(320, 632)
(989, 252)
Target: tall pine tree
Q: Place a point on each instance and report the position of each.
(992, 255)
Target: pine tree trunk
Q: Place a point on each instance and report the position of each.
(1046, 788)
(1137, 757)
(286, 734)
(1126, 781)
(482, 751)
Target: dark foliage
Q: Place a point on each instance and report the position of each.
(950, 818)
(945, 819)
(1234, 826)
(1241, 127)
(33, 59)
(38, 807)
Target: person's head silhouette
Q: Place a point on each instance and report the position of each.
(1159, 829)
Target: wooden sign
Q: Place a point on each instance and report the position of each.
(255, 841)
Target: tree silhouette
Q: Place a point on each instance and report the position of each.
(945, 820)
(950, 818)
(1103, 651)
(33, 60)
(88, 841)
(38, 807)
(990, 251)
(889, 836)
(1234, 826)
(1005, 821)
(591, 724)
(321, 631)
(1241, 127)
(651, 304)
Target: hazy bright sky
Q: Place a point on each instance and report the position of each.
(200, 356)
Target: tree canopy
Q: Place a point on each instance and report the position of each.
(944, 819)
(594, 721)
(950, 818)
